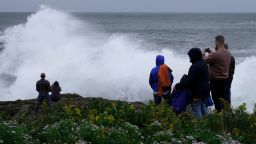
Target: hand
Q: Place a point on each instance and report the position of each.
(174, 88)
(208, 50)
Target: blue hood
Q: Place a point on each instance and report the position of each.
(159, 60)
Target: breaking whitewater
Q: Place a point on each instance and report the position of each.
(90, 62)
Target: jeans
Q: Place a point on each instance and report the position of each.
(41, 97)
(199, 108)
(167, 98)
(218, 90)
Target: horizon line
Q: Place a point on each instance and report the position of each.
(134, 12)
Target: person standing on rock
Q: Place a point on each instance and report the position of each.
(55, 90)
(43, 88)
(219, 62)
(197, 81)
(232, 68)
(161, 80)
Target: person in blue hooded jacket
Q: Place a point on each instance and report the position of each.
(161, 80)
(197, 81)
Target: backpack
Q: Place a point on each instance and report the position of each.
(180, 99)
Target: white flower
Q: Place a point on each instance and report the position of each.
(13, 132)
(190, 137)
(198, 143)
(46, 127)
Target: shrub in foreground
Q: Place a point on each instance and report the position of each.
(124, 123)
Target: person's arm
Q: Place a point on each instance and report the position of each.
(189, 79)
(37, 87)
(211, 58)
(232, 67)
(49, 87)
(171, 77)
(150, 79)
(234, 61)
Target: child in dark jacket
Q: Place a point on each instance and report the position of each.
(197, 82)
(55, 89)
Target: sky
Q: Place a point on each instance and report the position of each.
(228, 6)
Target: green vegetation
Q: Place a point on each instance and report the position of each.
(79, 120)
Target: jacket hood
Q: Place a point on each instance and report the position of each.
(159, 60)
(195, 55)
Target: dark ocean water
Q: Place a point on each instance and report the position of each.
(172, 31)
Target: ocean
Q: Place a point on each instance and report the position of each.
(110, 55)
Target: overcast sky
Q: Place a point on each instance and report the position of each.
(132, 5)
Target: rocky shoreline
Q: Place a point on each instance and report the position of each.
(24, 108)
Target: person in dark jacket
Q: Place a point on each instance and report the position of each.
(43, 88)
(232, 67)
(161, 80)
(55, 89)
(197, 81)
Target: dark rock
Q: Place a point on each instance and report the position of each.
(25, 108)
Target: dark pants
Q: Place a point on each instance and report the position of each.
(228, 91)
(218, 90)
(167, 98)
(40, 99)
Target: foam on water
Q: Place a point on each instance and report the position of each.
(244, 90)
(90, 62)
